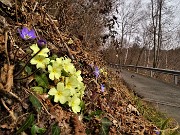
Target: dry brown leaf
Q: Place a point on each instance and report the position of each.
(1, 86)
(5, 126)
(4, 71)
(9, 82)
(78, 126)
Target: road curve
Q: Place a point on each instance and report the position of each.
(166, 96)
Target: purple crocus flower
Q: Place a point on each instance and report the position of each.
(96, 72)
(41, 43)
(157, 132)
(103, 87)
(26, 34)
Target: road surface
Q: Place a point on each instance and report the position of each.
(166, 96)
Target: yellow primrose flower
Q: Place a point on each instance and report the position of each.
(35, 49)
(54, 71)
(68, 66)
(80, 89)
(40, 61)
(71, 83)
(60, 61)
(74, 103)
(78, 75)
(60, 94)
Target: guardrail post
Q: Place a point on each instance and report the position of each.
(151, 73)
(176, 79)
(137, 70)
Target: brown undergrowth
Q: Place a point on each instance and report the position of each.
(114, 105)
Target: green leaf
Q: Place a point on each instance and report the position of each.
(82, 105)
(28, 70)
(38, 90)
(92, 114)
(29, 121)
(35, 102)
(54, 56)
(96, 113)
(56, 130)
(105, 125)
(35, 129)
(42, 80)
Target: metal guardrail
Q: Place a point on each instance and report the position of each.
(175, 73)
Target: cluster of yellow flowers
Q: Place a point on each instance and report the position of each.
(70, 88)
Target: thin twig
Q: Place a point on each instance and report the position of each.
(26, 76)
(11, 94)
(36, 3)
(26, 64)
(17, 50)
(10, 112)
(6, 46)
(39, 101)
(15, 96)
(58, 32)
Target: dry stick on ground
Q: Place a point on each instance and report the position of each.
(58, 32)
(10, 112)
(9, 82)
(38, 100)
(6, 48)
(36, 3)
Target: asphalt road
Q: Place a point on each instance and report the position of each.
(165, 96)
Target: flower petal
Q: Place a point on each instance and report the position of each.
(52, 91)
(33, 61)
(51, 76)
(76, 109)
(25, 30)
(63, 99)
(57, 98)
(35, 48)
(31, 34)
(40, 65)
(57, 75)
(60, 86)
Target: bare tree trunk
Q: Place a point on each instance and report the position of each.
(159, 31)
(155, 22)
(145, 58)
(166, 59)
(127, 50)
(149, 53)
(139, 57)
(126, 55)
